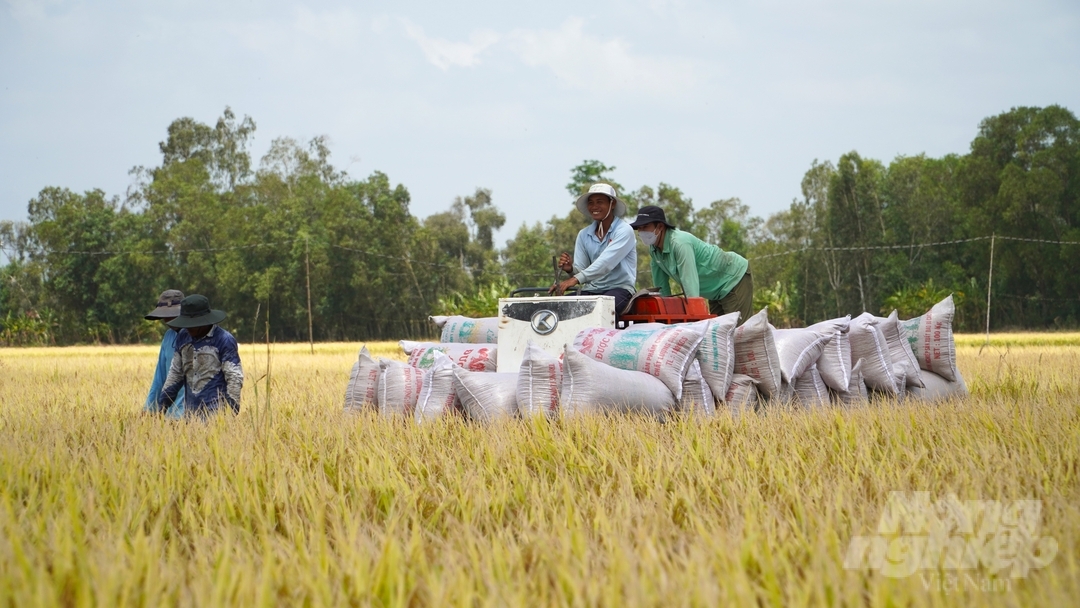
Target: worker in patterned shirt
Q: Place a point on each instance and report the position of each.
(206, 362)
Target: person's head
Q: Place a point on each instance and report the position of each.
(651, 224)
(200, 331)
(601, 203)
(196, 316)
(168, 306)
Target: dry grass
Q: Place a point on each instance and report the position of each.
(302, 504)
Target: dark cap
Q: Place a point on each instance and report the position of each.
(195, 312)
(649, 214)
(168, 305)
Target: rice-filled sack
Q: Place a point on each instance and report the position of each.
(742, 395)
(856, 391)
(697, 397)
(437, 396)
(362, 390)
(399, 387)
(473, 357)
(799, 350)
(486, 396)
(467, 330)
(834, 364)
(539, 382)
(784, 396)
(716, 353)
(905, 366)
(868, 344)
(591, 386)
(810, 391)
(755, 354)
(663, 353)
(936, 388)
(931, 339)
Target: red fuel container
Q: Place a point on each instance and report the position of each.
(667, 309)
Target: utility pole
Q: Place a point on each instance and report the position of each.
(307, 266)
(989, 286)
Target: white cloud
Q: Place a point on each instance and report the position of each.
(445, 54)
(579, 59)
(585, 61)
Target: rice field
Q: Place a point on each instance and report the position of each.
(295, 503)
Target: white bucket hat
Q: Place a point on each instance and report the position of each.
(583, 200)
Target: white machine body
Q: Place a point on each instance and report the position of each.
(550, 323)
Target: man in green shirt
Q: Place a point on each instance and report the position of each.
(703, 270)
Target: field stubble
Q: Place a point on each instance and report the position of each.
(299, 503)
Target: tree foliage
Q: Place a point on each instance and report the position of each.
(864, 235)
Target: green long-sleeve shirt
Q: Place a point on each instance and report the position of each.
(702, 269)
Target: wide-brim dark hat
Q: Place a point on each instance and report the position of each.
(195, 311)
(168, 305)
(649, 214)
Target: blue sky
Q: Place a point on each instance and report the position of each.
(721, 99)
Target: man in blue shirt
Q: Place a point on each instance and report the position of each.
(605, 254)
(168, 308)
(206, 363)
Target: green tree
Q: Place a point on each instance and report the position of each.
(527, 257)
(590, 172)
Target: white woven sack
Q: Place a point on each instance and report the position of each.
(467, 330)
(899, 351)
(399, 387)
(539, 382)
(742, 395)
(716, 353)
(810, 391)
(939, 389)
(486, 396)
(931, 339)
(362, 390)
(856, 391)
(438, 320)
(663, 353)
(901, 385)
(755, 354)
(697, 397)
(834, 365)
(868, 344)
(591, 386)
(437, 397)
(473, 357)
(786, 394)
(799, 350)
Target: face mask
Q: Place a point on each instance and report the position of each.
(647, 237)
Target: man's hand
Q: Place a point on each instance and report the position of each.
(566, 263)
(560, 288)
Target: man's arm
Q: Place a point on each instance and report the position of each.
(173, 383)
(687, 264)
(581, 256)
(660, 277)
(233, 372)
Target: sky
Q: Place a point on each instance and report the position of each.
(721, 99)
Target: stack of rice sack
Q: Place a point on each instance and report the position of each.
(658, 369)
(847, 361)
(652, 370)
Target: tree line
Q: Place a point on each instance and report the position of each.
(262, 242)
